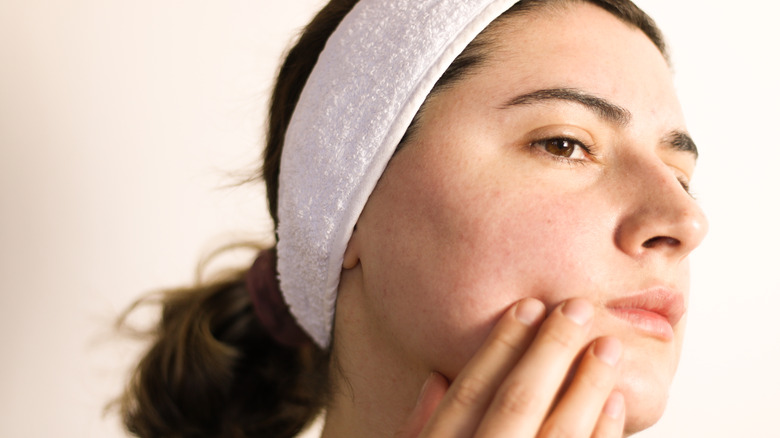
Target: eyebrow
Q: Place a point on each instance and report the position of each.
(606, 110)
(682, 142)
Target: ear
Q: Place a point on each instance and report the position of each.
(352, 253)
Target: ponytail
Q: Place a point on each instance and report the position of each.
(213, 371)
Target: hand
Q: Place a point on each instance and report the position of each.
(516, 383)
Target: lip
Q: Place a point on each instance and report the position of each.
(654, 311)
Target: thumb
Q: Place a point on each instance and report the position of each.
(432, 392)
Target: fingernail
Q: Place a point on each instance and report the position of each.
(578, 310)
(529, 311)
(608, 350)
(425, 386)
(615, 405)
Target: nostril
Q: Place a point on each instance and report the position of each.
(661, 240)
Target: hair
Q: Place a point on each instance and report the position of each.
(211, 369)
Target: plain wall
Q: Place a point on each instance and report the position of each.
(124, 125)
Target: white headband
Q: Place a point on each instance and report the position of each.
(369, 82)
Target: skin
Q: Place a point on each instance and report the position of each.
(480, 218)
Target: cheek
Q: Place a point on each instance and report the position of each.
(452, 255)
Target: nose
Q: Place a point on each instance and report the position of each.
(662, 218)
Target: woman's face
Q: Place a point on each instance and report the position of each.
(555, 170)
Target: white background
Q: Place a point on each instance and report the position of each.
(124, 124)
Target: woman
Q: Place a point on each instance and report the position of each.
(483, 227)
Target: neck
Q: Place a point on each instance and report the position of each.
(374, 386)
(360, 408)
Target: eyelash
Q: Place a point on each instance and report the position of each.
(542, 144)
(686, 186)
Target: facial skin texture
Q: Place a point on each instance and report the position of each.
(474, 213)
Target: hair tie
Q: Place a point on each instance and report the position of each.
(269, 305)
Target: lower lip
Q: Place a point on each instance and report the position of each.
(649, 322)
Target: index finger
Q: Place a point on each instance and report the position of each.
(462, 409)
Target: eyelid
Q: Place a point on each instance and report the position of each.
(562, 131)
(684, 178)
(568, 132)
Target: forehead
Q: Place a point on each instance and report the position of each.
(582, 46)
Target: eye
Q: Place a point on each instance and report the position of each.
(686, 185)
(563, 148)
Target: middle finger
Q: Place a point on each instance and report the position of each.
(523, 400)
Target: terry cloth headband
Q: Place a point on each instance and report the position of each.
(369, 82)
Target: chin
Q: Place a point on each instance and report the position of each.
(646, 373)
(645, 402)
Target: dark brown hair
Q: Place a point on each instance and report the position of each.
(211, 370)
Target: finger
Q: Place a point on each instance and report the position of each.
(582, 403)
(462, 409)
(613, 417)
(523, 400)
(432, 393)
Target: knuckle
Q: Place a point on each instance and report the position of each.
(505, 341)
(598, 378)
(555, 430)
(517, 400)
(469, 391)
(566, 337)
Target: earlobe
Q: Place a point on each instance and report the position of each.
(352, 253)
